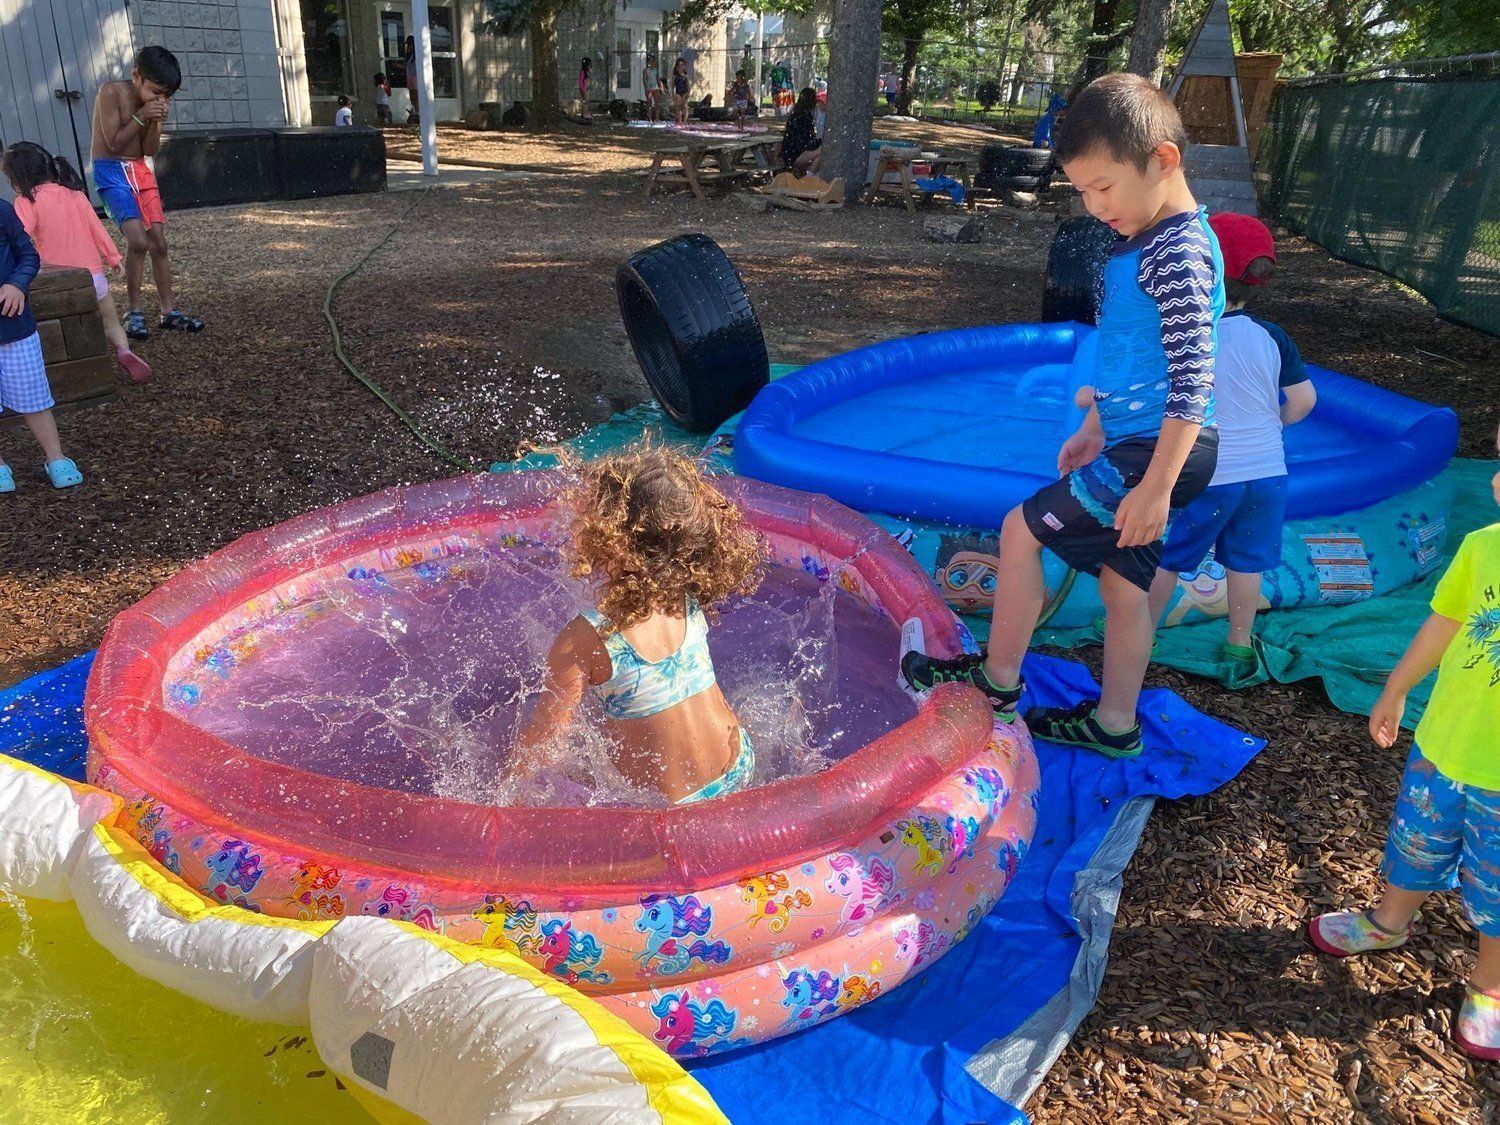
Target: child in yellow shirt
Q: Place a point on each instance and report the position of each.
(1445, 831)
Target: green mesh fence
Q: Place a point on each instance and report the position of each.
(1400, 174)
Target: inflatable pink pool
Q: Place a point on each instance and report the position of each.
(310, 722)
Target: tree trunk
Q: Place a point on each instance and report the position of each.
(1100, 30)
(546, 109)
(1153, 19)
(908, 66)
(853, 70)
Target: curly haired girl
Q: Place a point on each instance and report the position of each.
(665, 547)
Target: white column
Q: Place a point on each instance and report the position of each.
(760, 50)
(423, 42)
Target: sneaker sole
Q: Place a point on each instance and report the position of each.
(1098, 748)
(1006, 714)
(1474, 1050)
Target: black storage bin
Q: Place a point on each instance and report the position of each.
(330, 160)
(215, 166)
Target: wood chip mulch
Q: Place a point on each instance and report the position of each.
(491, 317)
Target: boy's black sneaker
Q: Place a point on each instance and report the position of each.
(1080, 726)
(924, 672)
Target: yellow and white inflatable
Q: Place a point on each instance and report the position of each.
(417, 1026)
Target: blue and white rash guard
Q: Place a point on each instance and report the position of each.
(1158, 328)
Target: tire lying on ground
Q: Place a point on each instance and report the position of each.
(1022, 183)
(695, 335)
(1024, 161)
(1075, 269)
(1014, 168)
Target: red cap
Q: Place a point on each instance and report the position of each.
(1242, 239)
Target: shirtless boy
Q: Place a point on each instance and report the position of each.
(128, 119)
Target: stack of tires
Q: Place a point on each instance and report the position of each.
(1014, 168)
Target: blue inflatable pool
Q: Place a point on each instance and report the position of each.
(961, 426)
(938, 436)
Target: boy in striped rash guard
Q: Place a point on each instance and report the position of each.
(1147, 447)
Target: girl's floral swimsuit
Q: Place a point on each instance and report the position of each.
(638, 687)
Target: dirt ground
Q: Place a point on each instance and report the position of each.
(490, 315)
(608, 147)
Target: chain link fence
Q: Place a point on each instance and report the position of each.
(1397, 168)
(1001, 84)
(1005, 85)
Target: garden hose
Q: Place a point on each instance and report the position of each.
(373, 387)
(1054, 603)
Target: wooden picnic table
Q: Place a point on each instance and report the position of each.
(726, 153)
(955, 167)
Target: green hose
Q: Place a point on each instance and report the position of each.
(375, 388)
(1055, 602)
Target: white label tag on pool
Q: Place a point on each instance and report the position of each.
(912, 640)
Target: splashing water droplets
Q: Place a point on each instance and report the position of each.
(418, 679)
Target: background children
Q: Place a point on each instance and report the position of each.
(409, 54)
(343, 115)
(57, 214)
(1241, 513)
(680, 86)
(1445, 831)
(651, 81)
(23, 376)
(382, 100)
(585, 72)
(1148, 444)
(665, 546)
(801, 149)
(128, 119)
(739, 97)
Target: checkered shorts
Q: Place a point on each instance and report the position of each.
(23, 377)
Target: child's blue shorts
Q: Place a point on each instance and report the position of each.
(1445, 835)
(1242, 523)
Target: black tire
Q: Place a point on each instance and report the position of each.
(1028, 161)
(990, 158)
(1019, 183)
(1075, 269)
(694, 333)
(1001, 163)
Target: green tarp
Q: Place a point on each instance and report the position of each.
(1351, 648)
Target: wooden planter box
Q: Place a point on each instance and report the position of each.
(79, 364)
(217, 166)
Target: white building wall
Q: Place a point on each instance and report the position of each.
(231, 73)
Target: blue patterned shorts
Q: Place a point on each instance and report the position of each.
(1445, 835)
(1075, 516)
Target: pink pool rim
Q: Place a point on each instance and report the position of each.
(707, 926)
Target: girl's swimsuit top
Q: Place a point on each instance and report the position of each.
(638, 687)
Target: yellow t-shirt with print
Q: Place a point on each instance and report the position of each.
(1460, 730)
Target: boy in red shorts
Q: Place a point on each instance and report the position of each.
(128, 119)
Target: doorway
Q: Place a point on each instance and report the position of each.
(57, 61)
(635, 42)
(394, 24)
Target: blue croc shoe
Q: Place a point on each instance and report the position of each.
(63, 473)
(7, 479)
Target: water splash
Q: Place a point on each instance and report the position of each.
(419, 679)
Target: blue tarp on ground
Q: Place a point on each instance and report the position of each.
(983, 1024)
